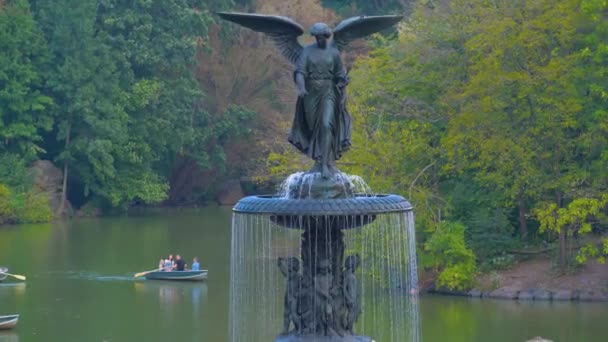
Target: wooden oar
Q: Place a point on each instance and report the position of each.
(141, 274)
(17, 276)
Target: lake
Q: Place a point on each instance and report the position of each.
(80, 288)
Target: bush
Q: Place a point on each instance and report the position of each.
(35, 208)
(7, 214)
(449, 254)
(29, 207)
(498, 262)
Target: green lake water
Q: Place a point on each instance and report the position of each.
(80, 288)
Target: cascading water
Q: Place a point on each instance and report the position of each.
(297, 257)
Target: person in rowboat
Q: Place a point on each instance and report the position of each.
(172, 261)
(180, 264)
(195, 265)
(168, 265)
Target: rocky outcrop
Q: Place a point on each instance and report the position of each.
(504, 293)
(475, 293)
(230, 192)
(592, 296)
(535, 294)
(47, 179)
(509, 292)
(563, 295)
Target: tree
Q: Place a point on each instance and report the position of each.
(572, 220)
(451, 257)
(519, 121)
(24, 109)
(123, 80)
(371, 7)
(159, 45)
(84, 81)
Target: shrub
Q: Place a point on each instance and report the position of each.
(7, 214)
(35, 209)
(449, 254)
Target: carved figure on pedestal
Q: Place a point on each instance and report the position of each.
(324, 310)
(290, 268)
(322, 125)
(350, 290)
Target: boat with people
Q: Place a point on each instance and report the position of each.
(8, 321)
(177, 275)
(3, 274)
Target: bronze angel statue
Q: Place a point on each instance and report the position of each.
(322, 125)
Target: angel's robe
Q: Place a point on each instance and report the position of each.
(321, 115)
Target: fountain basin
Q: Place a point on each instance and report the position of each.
(295, 338)
(357, 205)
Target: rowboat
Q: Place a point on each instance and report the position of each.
(178, 275)
(2, 271)
(8, 322)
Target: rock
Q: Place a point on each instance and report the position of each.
(535, 294)
(563, 295)
(504, 293)
(526, 295)
(448, 292)
(88, 210)
(540, 294)
(230, 192)
(592, 296)
(48, 179)
(475, 293)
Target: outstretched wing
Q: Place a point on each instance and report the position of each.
(359, 27)
(283, 31)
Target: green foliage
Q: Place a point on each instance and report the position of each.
(498, 262)
(7, 212)
(32, 207)
(574, 219)
(23, 207)
(489, 232)
(13, 172)
(121, 75)
(482, 111)
(451, 257)
(367, 7)
(24, 108)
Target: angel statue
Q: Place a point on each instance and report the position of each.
(322, 125)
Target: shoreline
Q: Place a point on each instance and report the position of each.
(535, 294)
(536, 279)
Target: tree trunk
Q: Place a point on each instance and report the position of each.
(64, 186)
(563, 250)
(523, 223)
(563, 236)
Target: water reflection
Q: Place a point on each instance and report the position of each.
(8, 337)
(13, 291)
(174, 297)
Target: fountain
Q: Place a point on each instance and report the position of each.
(325, 260)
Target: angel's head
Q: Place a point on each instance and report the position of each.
(321, 32)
